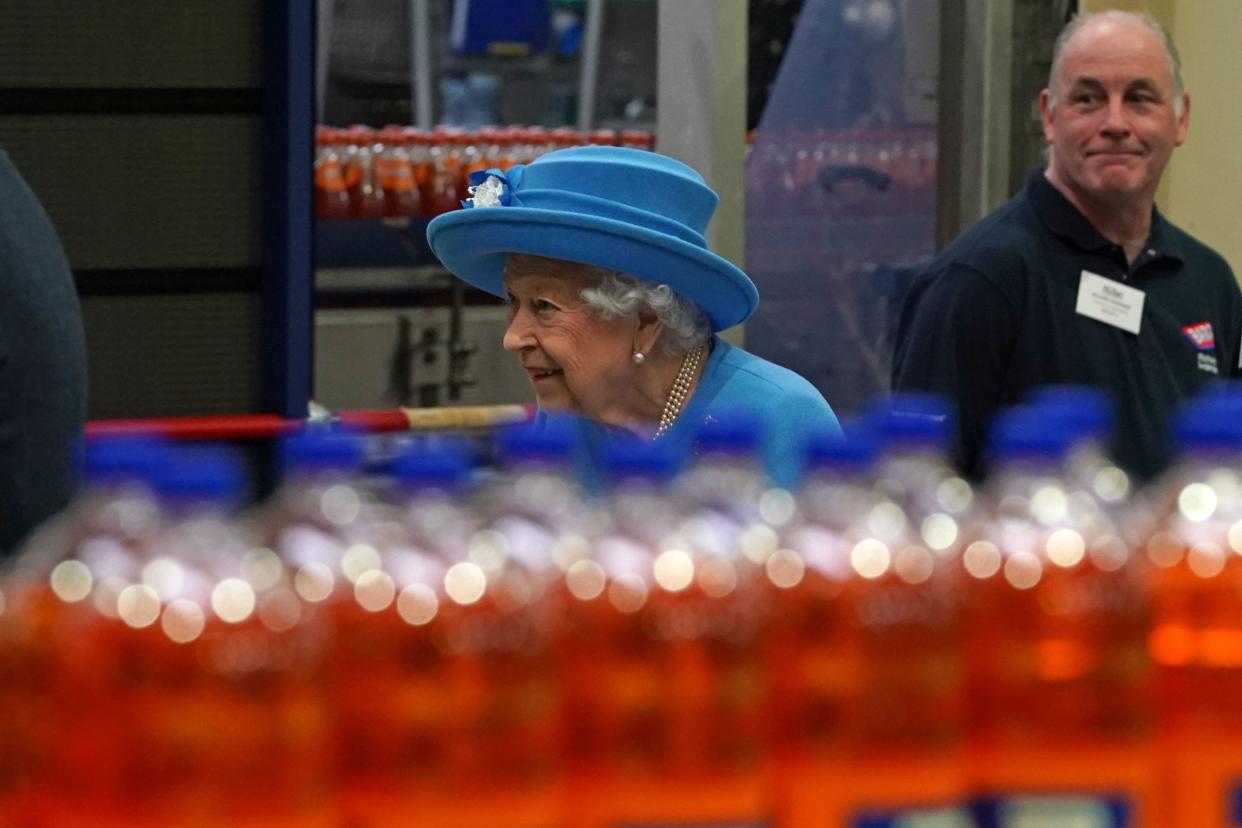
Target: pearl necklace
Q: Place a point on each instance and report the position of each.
(681, 387)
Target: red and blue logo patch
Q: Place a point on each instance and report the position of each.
(1201, 335)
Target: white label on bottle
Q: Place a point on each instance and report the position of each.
(937, 818)
(1055, 812)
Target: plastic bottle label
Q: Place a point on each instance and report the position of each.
(1054, 812)
(396, 177)
(328, 177)
(941, 817)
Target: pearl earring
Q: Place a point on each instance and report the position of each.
(639, 357)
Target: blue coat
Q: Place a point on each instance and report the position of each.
(733, 380)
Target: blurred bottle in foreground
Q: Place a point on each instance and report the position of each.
(498, 677)
(60, 756)
(406, 691)
(728, 511)
(1086, 415)
(1055, 624)
(664, 685)
(865, 653)
(912, 433)
(1194, 559)
(232, 725)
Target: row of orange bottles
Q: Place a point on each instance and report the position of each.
(850, 173)
(888, 645)
(403, 171)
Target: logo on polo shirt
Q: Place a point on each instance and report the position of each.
(1201, 334)
(1204, 340)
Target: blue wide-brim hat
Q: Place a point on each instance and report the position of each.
(623, 209)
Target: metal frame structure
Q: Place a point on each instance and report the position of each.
(701, 108)
(974, 116)
(287, 156)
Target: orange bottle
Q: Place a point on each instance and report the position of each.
(331, 194)
(638, 139)
(233, 726)
(65, 728)
(486, 153)
(602, 137)
(666, 694)
(396, 174)
(324, 525)
(470, 149)
(419, 144)
(388, 679)
(445, 189)
(865, 655)
(563, 137)
(1056, 622)
(509, 147)
(498, 672)
(78, 735)
(366, 193)
(381, 674)
(1196, 636)
(540, 142)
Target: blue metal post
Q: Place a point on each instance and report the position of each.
(287, 54)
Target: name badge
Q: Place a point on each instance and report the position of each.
(1110, 302)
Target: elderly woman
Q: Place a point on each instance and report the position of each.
(614, 299)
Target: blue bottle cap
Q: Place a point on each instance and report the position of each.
(551, 441)
(213, 474)
(1026, 432)
(124, 458)
(732, 433)
(1088, 411)
(317, 450)
(1224, 391)
(658, 461)
(444, 464)
(1210, 423)
(851, 452)
(922, 420)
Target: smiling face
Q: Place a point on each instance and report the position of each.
(1111, 117)
(577, 361)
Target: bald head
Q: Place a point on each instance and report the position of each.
(1112, 20)
(1112, 115)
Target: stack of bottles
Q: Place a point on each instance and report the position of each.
(848, 174)
(402, 172)
(465, 643)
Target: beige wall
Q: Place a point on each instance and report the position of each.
(1202, 189)
(1162, 10)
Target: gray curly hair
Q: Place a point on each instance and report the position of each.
(619, 294)
(611, 294)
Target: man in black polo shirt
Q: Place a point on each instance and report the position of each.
(1079, 279)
